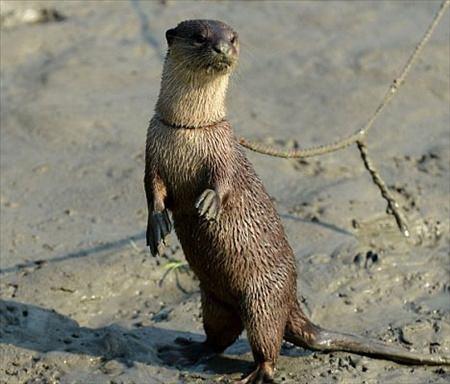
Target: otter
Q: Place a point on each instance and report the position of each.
(229, 230)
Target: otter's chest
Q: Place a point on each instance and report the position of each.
(181, 157)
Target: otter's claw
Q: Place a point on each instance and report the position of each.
(208, 205)
(158, 227)
(261, 375)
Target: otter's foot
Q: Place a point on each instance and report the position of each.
(158, 227)
(186, 352)
(261, 375)
(208, 205)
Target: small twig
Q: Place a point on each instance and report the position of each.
(393, 207)
(360, 134)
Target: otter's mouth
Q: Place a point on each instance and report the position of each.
(224, 64)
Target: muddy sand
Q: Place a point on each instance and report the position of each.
(81, 299)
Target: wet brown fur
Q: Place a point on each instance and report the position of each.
(242, 258)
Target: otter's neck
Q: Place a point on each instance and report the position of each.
(191, 99)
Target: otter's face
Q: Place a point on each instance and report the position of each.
(204, 45)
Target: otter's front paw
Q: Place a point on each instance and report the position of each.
(208, 205)
(158, 227)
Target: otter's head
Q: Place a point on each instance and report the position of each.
(207, 46)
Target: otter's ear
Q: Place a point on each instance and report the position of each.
(170, 35)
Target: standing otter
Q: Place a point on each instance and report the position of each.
(227, 225)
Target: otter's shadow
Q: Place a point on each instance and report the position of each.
(43, 330)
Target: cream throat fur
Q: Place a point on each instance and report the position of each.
(191, 99)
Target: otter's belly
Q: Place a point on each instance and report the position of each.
(214, 264)
(234, 255)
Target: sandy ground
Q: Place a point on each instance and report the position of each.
(81, 299)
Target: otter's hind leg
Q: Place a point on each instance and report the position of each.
(222, 324)
(222, 327)
(265, 326)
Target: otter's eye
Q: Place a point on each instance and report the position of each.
(233, 39)
(199, 39)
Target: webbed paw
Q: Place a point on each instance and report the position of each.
(208, 205)
(261, 375)
(158, 227)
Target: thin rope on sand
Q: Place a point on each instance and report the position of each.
(359, 136)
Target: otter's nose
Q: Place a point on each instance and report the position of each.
(222, 46)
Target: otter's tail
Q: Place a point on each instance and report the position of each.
(302, 332)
